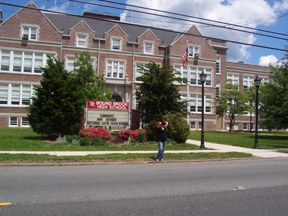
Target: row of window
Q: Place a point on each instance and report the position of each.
(191, 74)
(15, 121)
(22, 61)
(16, 94)
(248, 81)
(195, 102)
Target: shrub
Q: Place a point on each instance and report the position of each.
(142, 135)
(99, 141)
(85, 141)
(125, 134)
(95, 133)
(178, 128)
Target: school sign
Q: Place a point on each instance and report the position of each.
(107, 114)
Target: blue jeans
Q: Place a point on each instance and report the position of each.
(161, 146)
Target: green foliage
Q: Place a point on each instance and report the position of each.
(57, 107)
(232, 102)
(274, 99)
(178, 128)
(157, 94)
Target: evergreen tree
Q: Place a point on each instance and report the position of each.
(157, 94)
(57, 108)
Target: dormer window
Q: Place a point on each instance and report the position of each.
(193, 51)
(29, 32)
(148, 47)
(82, 40)
(116, 44)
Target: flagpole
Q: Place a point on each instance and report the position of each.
(188, 95)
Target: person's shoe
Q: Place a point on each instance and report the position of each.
(158, 160)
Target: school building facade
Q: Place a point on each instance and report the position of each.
(117, 51)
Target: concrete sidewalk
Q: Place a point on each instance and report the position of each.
(216, 148)
(263, 153)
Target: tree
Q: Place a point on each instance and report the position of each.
(57, 108)
(274, 99)
(232, 102)
(157, 94)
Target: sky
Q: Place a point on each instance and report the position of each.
(269, 15)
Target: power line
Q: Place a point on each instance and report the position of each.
(178, 14)
(178, 32)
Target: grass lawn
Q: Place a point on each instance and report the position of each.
(116, 157)
(274, 140)
(24, 139)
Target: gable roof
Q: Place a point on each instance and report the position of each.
(64, 22)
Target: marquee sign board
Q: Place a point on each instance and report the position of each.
(107, 114)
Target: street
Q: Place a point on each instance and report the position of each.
(234, 187)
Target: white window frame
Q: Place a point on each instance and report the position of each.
(19, 98)
(83, 40)
(233, 79)
(5, 91)
(70, 59)
(138, 70)
(196, 100)
(13, 125)
(218, 66)
(194, 49)
(181, 73)
(196, 71)
(218, 86)
(30, 27)
(248, 81)
(119, 65)
(113, 39)
(151, 52)
(21, 122)
(25, 55)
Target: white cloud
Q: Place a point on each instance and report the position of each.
(268, 60)
(63, 8)
(242, 12)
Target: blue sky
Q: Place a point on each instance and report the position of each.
(270, 15)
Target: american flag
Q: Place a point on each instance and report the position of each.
(185, 58)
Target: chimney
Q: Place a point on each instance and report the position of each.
(101, 16)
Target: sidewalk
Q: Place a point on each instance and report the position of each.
(216, 148)
(263, 153)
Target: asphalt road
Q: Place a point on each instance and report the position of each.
(232, 188)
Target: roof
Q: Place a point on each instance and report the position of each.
(64, 22)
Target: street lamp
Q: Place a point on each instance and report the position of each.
(202, 79)
(257, 82)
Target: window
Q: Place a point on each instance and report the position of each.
(194, 76)
(264, 80)
(195, 103)
(4, 89)
(19, 61)
(148, 47)
(245, 126)
(233, 79)
(193, 125)
(5, 60)
(218, 89)
(70, 60)
(82, 40)
(193, 51)
(30, 32)
(115, 69)
(28, 59)
(26, 94)
(16, 94)
(116, 44)
(13, 121)
(248, 81)
(24, 122)
(218, 66)
(182, 73)
(140, 67)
